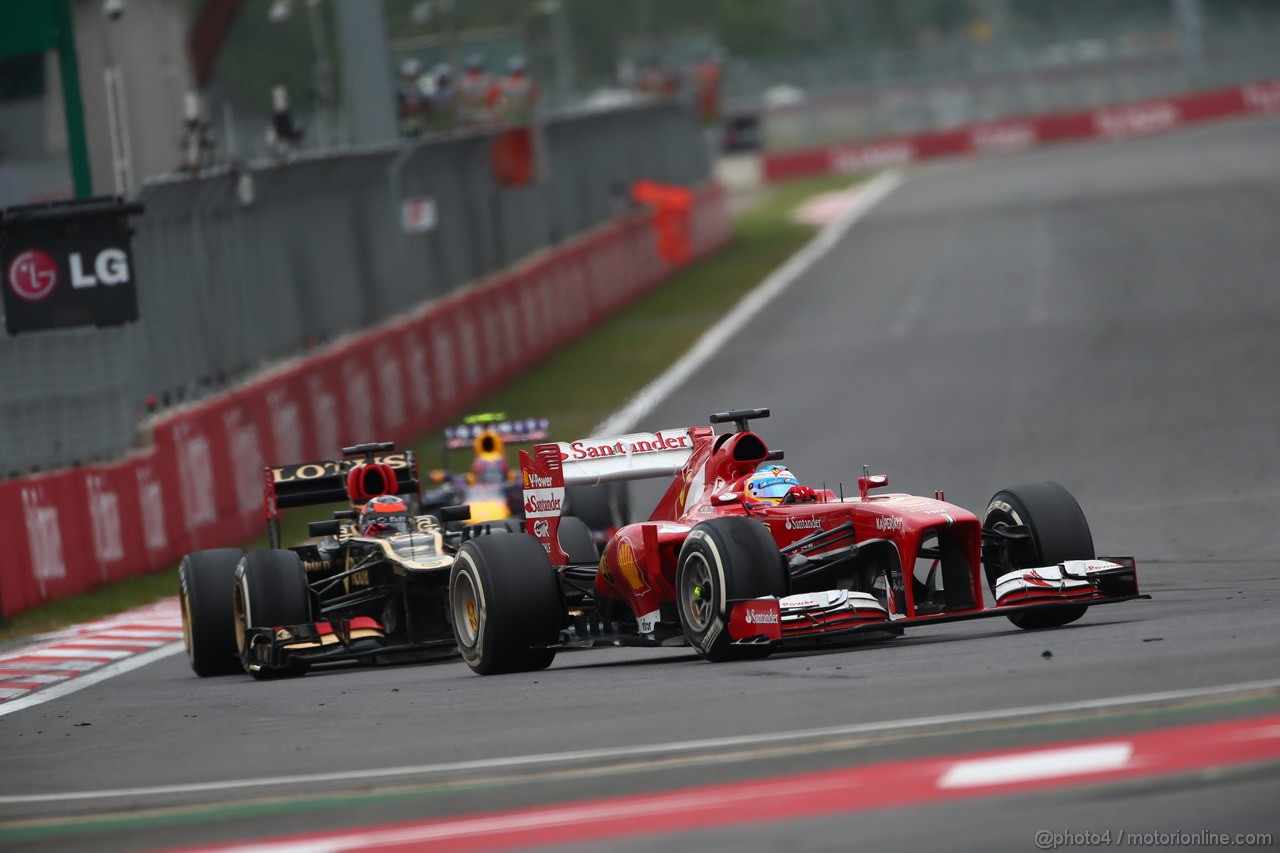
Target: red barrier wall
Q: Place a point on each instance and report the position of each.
(1016, 134)
(199, 484)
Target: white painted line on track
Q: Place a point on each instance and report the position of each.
(748, 307)
(91, 678)
(648, 750)
(1040, 764)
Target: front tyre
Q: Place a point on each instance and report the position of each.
(270, 590)
(724, 559)
(505, 604)
(205, 581)
(1059, 531)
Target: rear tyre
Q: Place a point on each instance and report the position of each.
(1059, 531)
(205, 582)
(723, 559)
(504, 600)
(577, 542)
(602, 507)
(270, 590)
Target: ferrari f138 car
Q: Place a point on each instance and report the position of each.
(373, 587)
(490, 487)
(738, 558)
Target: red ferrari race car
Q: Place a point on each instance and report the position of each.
(740, 558)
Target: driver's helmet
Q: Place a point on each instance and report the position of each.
(769, 484)
(385, 514)
(490, 469)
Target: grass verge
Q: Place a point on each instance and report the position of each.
(576, 387)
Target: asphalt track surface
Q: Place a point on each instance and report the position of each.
(1105, 316)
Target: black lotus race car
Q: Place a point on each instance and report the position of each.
(343, 596)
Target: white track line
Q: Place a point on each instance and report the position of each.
(752, 304)
(661, 749)
(90, 678)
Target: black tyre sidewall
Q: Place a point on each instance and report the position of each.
(576, 541)
(273, 587)
(206, 581)
(744, 562)
(1060, 531)
(600, 507)
(519, 603)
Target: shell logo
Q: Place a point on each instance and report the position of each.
(628, 566)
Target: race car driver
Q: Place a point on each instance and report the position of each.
(772, 484)
(385, 515)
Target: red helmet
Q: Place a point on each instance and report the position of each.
(385, 514)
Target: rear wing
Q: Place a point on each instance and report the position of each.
(464, 435)
(311, 483)
(546, 471)
(488, 434)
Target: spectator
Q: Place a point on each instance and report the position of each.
(707, 73)
(444, 98)
(517, 93)
(411, 100)
(475, 94)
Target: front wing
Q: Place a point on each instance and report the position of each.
(358, 639)
(831, 614)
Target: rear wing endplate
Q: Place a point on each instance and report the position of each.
(546, 471)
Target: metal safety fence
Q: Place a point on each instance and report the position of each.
(238, 269)
(1073, 65)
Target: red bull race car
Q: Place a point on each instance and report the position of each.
(491, 488)
(739, 558)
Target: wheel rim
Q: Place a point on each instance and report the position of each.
(242, 617)
(468, 610)
(186, 624)
(696, 593)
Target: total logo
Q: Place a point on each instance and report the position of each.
(33, 274)
(810, 523)
(767, 617)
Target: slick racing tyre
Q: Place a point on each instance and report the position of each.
(505, 604)
(205, 581)
(602, 508)
(1059, 531)
(724, 559)
(577, 542)
(270, 590)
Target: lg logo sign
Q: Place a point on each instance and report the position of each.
(68, 264)
(33, 275)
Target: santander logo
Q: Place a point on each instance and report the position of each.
(810, 523)
(768, 617)
(538, 504)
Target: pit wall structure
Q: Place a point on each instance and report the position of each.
(199, 483)
(1123, 121)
